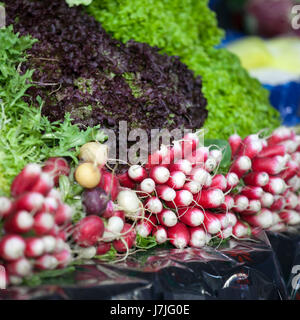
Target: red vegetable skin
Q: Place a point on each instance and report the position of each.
(128, 236)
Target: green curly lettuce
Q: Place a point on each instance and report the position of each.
(188, 29)
(72, 3)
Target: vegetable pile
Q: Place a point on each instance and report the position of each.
(235, 101)
(80, 69)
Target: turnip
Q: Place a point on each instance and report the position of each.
(35, 247)
(20, 267)
(258, 179)
(127, 239)
(56, 167)
(182, 165)
(87, 175)
(219, 182)
(12, 247)
(25, 179)
(167, 218)
(275, 185)
(290, 217)
(63, 215)
(19, 222)
(145, 226)
(159, 174)
(179, 235)
(210, 198)
(46, 262)
(267, 200)
(177, 180)
(88, 231)
(94, 152)
(198, 237)
(241, 165)
(192, 217)
(165, 193)
(6, 206)
(43, 223)
(160, 234)
(211, 223)
(183, 199)
(103, 247)
(94, 201)
(192, 186)
(153, 205)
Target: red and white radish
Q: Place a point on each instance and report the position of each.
(182, 165)
(192, 217)
(46, 262)
(159, 174)
(216, 154)
(235, 142)
(153, 205)
(241, 165)
(275, 186)
(35, 247)
(210, 164)
(137, 173)
(192, 186)
(240, 230)
(165, 192)
(145, 226)
(63, 215)
(179, 235)
(290, 217)
(270, 165)
(224, 220)
(160, 234)
(126, 240)
(231, 218)
(43, 223)
(147, 185)
(199, 175)
(267, 200)
(56, 167)
(113, 229)
(241, 203)
(210, 198)
(252, 192)
(129, 202)
(278, 204)
(64, 257)
(6, 206)
(125, 180)
(197, 237)
(280, 134)
(183, 199)
(199, 156)
(254, 207)
(228, 203)
(167, 218)
(25, 179)
(263, 219)
(211, 223)
(250, 148)
(219, 181)
(21, 267)
(12, 247)
(232, 180)
(19, 222)
(291, 200)
(49, 243)
(258, 179)
(110, 184)
(272, 150)
(88, 231)
(103, 247)
(177, 180)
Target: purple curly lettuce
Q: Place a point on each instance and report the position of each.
(81, 69)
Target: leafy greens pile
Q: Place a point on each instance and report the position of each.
(25, 135)
(188, 29)
(81, 69)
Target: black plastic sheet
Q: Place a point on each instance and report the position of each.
(236, 271)
(286, 246)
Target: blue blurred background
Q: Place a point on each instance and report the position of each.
(266, 21)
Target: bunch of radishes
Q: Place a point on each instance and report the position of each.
(33, 222)
(272, 183)
(180, 197)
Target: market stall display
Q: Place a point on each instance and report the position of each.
(65, 203)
